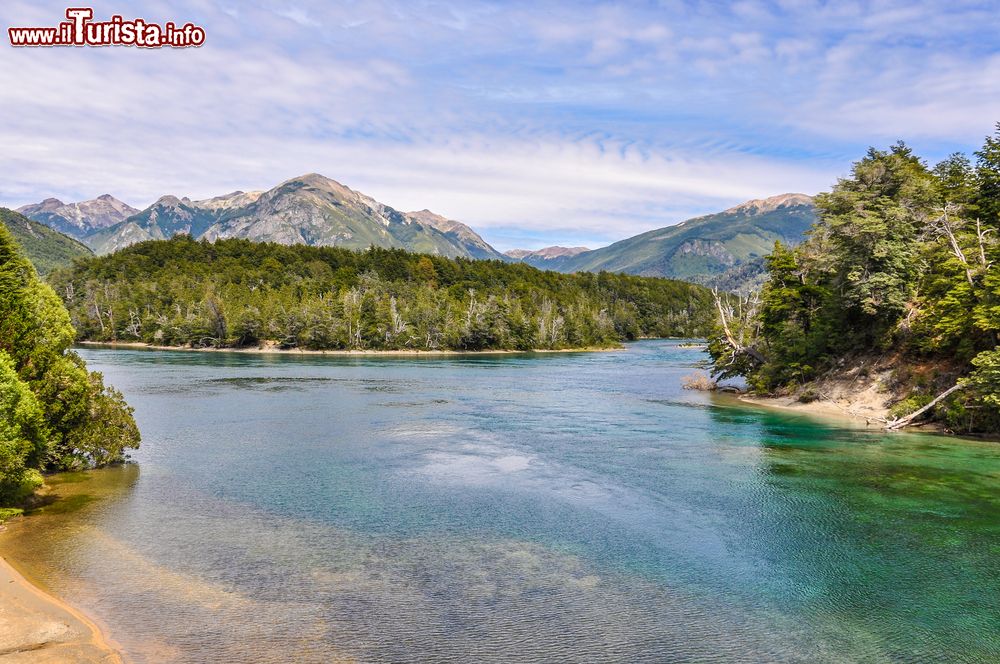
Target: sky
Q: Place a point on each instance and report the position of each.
(536, 123)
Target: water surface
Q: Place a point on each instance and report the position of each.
(567, 507)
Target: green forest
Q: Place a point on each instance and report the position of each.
(901, 264)
(54, 414)
(238, 293)
(45, 248)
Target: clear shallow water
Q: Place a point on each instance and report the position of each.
(568, 507)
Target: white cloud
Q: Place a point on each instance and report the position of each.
(572, 122)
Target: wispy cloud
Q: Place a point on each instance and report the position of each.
(534, 122)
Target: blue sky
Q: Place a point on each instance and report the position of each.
(536, 123)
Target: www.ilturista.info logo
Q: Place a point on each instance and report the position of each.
(80, 30)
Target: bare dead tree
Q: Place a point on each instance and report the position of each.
(981, 240)
(134, 326)
(948, 226)
(739, 324)
(907, 420)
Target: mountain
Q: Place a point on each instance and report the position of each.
(79, 219)
(310, 209)
(164, 219)
(542, 258)
(703, 248)
(465, 239)
(45, 248)
(315, 210)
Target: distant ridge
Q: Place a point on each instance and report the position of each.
(712, 249)
(310, 209)
(79, 219)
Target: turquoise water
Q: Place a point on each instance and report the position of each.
(564, 507)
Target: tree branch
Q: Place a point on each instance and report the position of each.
(901, 422)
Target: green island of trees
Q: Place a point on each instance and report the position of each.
(901, 268)
(54, 414)
(237, 293)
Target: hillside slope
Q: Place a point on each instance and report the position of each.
(707, 245)
(45, 248)
(723, 249)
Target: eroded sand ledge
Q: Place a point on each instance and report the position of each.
(36, 627)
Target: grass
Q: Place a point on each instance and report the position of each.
(9, 513)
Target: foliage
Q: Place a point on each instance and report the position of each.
(24, 438)
(985, 379)
(234, 293)
(900, 262)
(9, 513)
(53, 413)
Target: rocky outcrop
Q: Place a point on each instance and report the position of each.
(79, 219)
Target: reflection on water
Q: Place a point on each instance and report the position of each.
(514, 508)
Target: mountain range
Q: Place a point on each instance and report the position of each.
(724, 249)
(310, 209)
(79, 220)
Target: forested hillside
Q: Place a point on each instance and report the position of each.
(45, 248)
(54, 414)
(899, 272)
(235, 293)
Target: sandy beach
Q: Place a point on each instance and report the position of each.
(36, 627)
(821, 408)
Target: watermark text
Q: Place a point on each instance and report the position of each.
(79, 29)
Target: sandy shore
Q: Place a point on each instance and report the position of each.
(822, 408)
(36, 627)
(360, 353)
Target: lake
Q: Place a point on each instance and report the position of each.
(576, 507)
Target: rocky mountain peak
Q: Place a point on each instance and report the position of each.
(229, 201)
(763, 205)
(547, 252)
(79, 219)
(167, 201)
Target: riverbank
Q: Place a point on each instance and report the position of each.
(827, 408)
(868, 388)
(274, 349)
(37, 627)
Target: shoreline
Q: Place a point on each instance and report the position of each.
(831, 410)
(36, 626)
(818, 408)
(274, 350)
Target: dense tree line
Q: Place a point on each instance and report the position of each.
(237, 293)
(54, 414)
(902, 263)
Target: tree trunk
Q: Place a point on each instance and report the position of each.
(901, 422)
